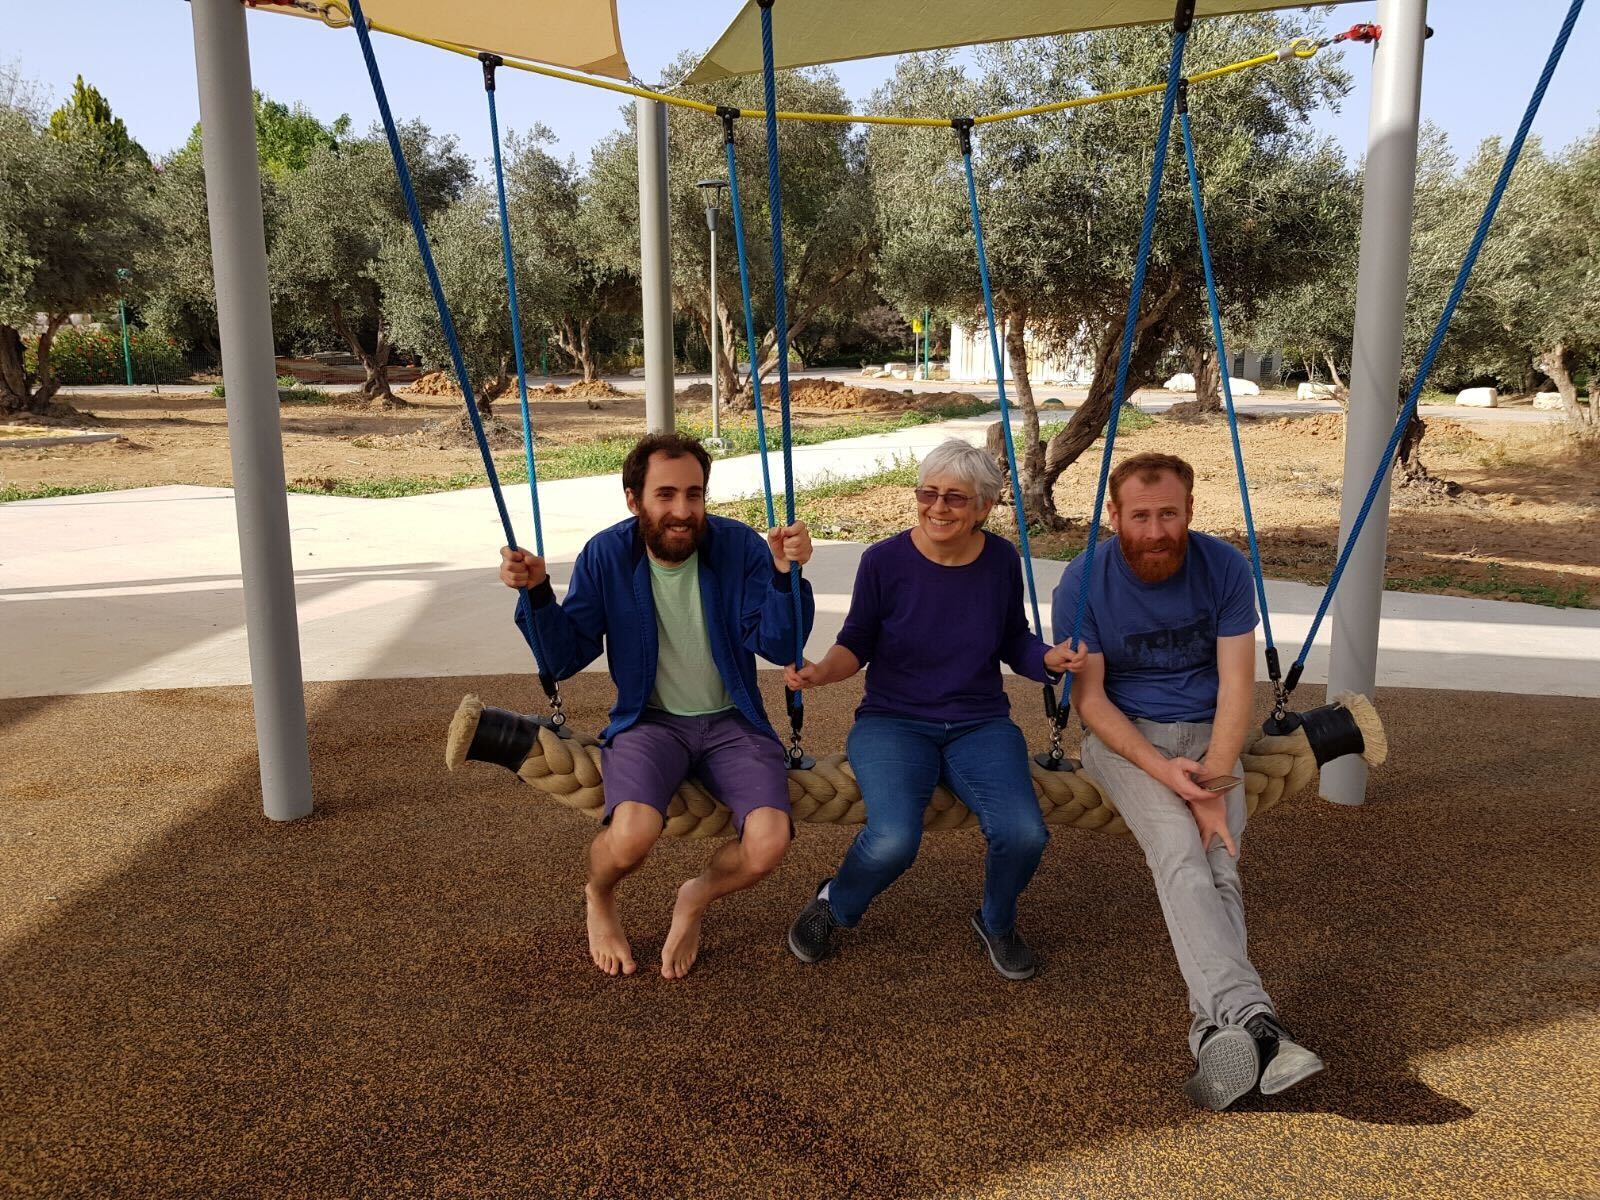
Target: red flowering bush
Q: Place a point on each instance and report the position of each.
(95, 356)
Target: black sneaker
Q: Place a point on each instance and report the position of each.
(1010, 955)
(811, 935)
(1284, 1062)
(1227, 1066)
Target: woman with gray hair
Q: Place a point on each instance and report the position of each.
(935, 611)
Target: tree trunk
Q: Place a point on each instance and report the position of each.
(1207, 378)
(1556, 362)
(375, 388)
(1341, 394)
(572, 336)
(1036, 500)
(727, 364)
(1409, 469)
(18, 390)
(1150, 338)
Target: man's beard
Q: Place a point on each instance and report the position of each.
(1146, 566)
(665, 543)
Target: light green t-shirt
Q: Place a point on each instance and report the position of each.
(688, 683)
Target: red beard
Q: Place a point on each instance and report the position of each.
(1147, 562)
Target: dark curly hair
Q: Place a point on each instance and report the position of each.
(673, 445)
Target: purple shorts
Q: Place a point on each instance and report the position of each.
(743, 767)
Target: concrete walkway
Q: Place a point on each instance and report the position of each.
(141, 589)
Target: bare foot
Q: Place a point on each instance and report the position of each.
(683, 939)
(608, 945)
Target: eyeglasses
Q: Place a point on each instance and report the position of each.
(931, 496)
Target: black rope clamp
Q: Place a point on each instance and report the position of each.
(1183, 94)
(798, 759)
(1183, 16)
(490, 62)
(963, 127)
(729, 116)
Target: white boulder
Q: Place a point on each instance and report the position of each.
(1549, 401)
(1244, 387)
(1482, 397)
(1314, 391)
(1181, 382)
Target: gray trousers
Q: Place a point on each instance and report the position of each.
(1198, 888)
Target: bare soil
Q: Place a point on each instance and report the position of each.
(1526, 526)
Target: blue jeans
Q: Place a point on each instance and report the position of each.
(898, 762)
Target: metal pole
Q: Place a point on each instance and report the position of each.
(655, 257)
(927, 344)
(244, 320)
(1388, 193)
(716, 374)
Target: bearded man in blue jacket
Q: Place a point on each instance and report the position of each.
(681, 603)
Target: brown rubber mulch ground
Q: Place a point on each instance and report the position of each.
(393, 998)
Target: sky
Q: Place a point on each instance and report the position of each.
(1480, 69)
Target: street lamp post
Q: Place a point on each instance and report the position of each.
(712, 188)
(123, 275)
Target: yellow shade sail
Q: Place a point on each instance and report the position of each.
(808, 32)
(581, 34)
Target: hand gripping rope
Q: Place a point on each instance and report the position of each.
(414, 212)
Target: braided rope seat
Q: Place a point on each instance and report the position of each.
(567, 769)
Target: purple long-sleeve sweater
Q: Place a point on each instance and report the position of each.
(933, 637)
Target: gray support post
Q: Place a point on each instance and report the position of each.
(1386, 212)
(244, 319)
(655, 264)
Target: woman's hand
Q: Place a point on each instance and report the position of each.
(1062, 659)
(810, 675)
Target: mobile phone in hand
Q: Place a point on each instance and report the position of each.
(1223, 783)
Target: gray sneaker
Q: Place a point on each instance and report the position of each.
(811, 935)
(1010, 955)
(1284, 1061)
(1227, 1066)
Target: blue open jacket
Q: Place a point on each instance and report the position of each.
(609, 606)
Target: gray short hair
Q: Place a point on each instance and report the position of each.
(970, 464)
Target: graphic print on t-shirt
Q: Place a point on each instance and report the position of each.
(1180, 649)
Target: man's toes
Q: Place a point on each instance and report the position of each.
(628, 966)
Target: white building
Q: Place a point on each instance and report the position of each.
(971, 362)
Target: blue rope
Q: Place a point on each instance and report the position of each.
(446, 323)
(1000, 378)
(753, 350)
(1426, 366)
(1141, 261)
(1227, 386)
(516, 326)
(781, 316)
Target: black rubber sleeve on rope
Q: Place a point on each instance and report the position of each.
(795, 708)
(1183, 95)
(1294, 677)
(963, 128)
(1332, 732)
(1183, 17)
(1274, 670)
(503, 738)
(490, 62)
(729, 116)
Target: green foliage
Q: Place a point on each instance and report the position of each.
(82, 356)
(87, 119)
(290, 391)
(69, 222)
(286, 135)
(898, 472)
(10, 492)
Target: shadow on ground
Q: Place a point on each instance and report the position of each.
(393, 997)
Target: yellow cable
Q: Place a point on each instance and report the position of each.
(1301, 48)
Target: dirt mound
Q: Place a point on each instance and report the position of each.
(594, 389)
(452, 433)
(695, 393)
(434, 383)
(1323, 425)
(834, 396)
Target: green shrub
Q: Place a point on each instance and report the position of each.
(90, 356)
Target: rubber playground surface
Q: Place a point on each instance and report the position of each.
(393, 997)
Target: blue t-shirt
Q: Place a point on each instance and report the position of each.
(1160, 639)
(933, 637)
